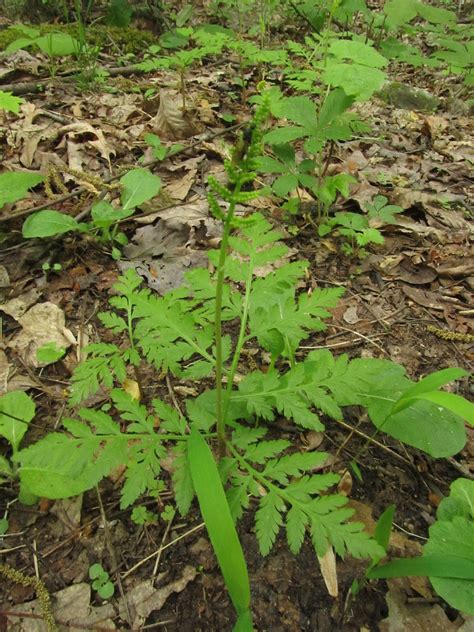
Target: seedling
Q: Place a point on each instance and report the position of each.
(160, 151)
(138, 186)
(51, 267)
(49, 353)
(101, 581)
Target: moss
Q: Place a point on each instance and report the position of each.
(403, 96)
(127, 40)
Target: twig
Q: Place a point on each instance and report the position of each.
(162, 548)
(113, 558)
(158, 557)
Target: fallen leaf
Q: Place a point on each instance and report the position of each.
(143, 598)
(41, 324)
(70, 606)
(327, 564)
(424, 297)
(415, 617)
(350, 316)
(344, 487)
(170, 122)
(179, 189)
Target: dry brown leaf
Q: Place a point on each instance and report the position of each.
(329, 571)
(350, 316)
(179, 189)
(42, 324)
(68, 512)
(344, 487)
(313, 439)
(434, 126)
(144, 599)
(4, 371)
(424, 297)
(71, 606)
(170, 122)
(414, 617)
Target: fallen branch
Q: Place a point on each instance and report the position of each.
(40, 85)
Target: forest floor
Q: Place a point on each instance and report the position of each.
(401, 302)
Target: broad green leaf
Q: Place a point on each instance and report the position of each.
(355, 79)
(48, 224)
(218, 519)
(384, 527)
(377, 385)
(284, 134)
(49, 353)
(5, 469)
(460, 501)
(284, 184)
(422, 425)
(58, 44)
(10, 102)
(105, 215)
(361, 53)
(140, 185)
(400, 12)
(432, 382)
(454, 403)
(15, 185)
(435, 15)
(21, 42)
(270, 165)
(17, 409)
(334, 105)
(428, 565)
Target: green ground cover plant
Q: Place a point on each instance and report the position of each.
(448, 556)
(101, 581)
(137, 187)
(226, 448)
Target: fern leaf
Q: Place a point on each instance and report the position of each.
(238, 497)
(171, 420)
(103, 423)
(182, 481)
(307, 486)
(283, 469)
(143, 468)
(131, 410)
(268, 521)
(128, 282)
(243, 436)
(113, 321)
(105, 363)
(296, 523)
(264, 450)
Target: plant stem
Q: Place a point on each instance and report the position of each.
(240, 341)
(221, 434)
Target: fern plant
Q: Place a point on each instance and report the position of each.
(184, 333)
